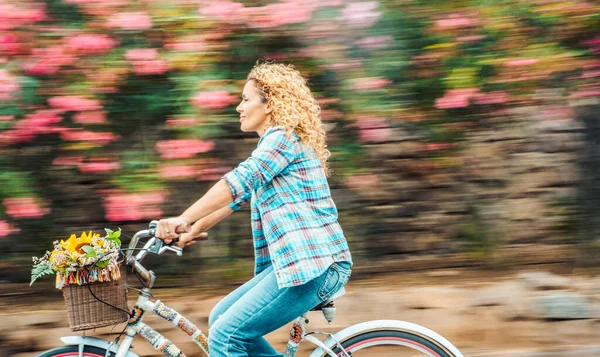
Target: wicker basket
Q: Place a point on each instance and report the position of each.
(86, 312)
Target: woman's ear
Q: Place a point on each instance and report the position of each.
(268, 109)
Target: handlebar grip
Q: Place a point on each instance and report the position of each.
(152, 230)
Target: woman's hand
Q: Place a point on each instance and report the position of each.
(191, 238)
(170, 228)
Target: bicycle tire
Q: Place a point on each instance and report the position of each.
(73, 351)
(392, 339)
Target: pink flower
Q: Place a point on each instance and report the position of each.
(213, 100)
(556, 112)
(67, 161)
(453, 22)
(6, 117)
(183, 148)
(181, 122)
(76, 134)
(456, 98)
(41, 68)
(48, 60)
(521, 62)
(12, 16)
(90, 44)
(590, 74)
(24, 207)
(7, 229)
(90, 117)
(212, 173)
(177, 171)
(375, 42)
(8, 85)
(141, 54)
(120, 206)
(221, 9)
(361, 14)
(16, 136)
(39, 120)
(373, 129)
(288, 13)
(98, 166)
(130, 21)
(585, 93)
(9, 44)
(452, 102)
(56, 55)
(473, 38)
(150, 67)
(361, 181)
(278, 14)
(370, 84)
(495, 97)
(74, 103)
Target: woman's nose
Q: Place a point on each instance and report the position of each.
(239, 108)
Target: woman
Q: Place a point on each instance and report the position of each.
(302, 256)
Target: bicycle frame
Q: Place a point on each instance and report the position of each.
(135, 326)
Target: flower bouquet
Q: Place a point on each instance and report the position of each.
(88, 273)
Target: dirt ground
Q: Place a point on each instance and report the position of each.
(483, 313)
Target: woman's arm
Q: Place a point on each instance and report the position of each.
(216, 198)
(202, 225)
(276, 150)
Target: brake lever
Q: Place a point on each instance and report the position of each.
(159, 246)
(177, 250)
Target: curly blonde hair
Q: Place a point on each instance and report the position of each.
(292, 103)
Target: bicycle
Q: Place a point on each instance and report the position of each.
(362, 339)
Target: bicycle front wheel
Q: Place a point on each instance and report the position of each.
(73, 351)
(392, 343)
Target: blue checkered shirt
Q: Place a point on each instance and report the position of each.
(294, 220)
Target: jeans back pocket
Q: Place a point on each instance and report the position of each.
(336, 278)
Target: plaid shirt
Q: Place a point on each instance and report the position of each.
(294, 220)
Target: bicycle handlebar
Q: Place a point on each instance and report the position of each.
(153, 245)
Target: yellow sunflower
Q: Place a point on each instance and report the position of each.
(74, 244)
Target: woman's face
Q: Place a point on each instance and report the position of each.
(253, 112)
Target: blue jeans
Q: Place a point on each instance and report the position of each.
(239, 321)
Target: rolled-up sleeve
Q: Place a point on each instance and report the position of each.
(275, 151)
(237, 204)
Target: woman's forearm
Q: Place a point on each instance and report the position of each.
(206, 223)
(216, 198)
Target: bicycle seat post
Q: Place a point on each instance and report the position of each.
(329, 312)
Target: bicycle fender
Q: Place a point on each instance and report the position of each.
(94, 342)
(385, 324)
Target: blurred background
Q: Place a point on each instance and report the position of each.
(464, 139)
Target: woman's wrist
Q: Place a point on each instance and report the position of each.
(187, 219)
(198, 227)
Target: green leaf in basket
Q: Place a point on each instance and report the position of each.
(102, 264)
(40, 270)
(90, 252)
(113, 235)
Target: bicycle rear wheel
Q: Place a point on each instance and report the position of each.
(393, 343)
(73, 351)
